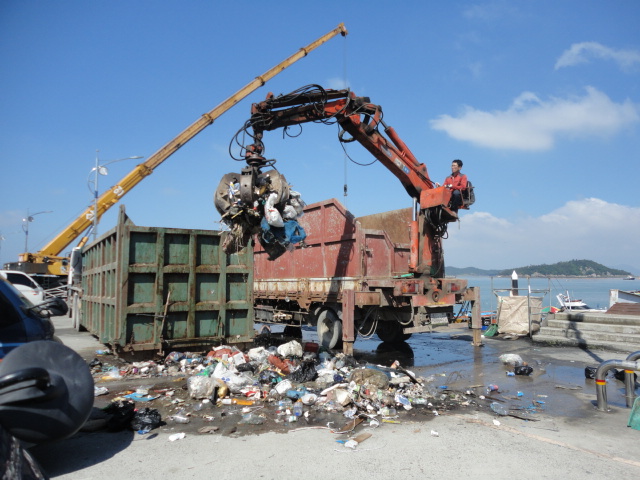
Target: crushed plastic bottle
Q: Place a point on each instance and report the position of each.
(181, 417)
(499, 408)
(297, 408)
(252, 419)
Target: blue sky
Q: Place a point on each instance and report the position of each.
(540, 99)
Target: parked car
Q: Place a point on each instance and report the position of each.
(26, 284)
(21, 321)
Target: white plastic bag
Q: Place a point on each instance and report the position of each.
(295, 200)
(290, 349)
(237, 381)
(271, 213)
(511, 359)
(258, 354)
(289, 213)
(201, 386)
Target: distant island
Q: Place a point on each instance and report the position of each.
(573, 268)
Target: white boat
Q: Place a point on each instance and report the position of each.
(629, 277)
(568, 303)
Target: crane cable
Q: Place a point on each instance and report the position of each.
(346, 84)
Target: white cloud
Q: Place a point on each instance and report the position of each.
(583, 52)
(590, 229)
(533, 124)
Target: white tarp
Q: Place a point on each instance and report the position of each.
(513, 314)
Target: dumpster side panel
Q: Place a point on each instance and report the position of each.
(332, 247)
(149, 287)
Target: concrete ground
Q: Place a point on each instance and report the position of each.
(566, 438)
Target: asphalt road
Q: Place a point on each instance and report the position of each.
(570, 439)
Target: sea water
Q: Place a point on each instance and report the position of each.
(592, 291)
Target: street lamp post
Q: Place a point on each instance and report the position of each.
(25, 226)
(101, 169)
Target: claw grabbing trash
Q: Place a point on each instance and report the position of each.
(259, 203)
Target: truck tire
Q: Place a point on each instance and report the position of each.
(329, 329)
(391, 332)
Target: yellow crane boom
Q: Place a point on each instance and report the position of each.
(49, 258)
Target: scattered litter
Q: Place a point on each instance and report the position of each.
(209, 429)
(177, 436)
(511, 359)
(496, 422)
(97, 391)
(523, 370)
(354, 442)
(136, 397)
(434, 433)
(252, 419)
(146, 420)
(292, 384)
(569, 387)
(499, 408)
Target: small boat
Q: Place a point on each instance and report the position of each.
(568, 303)
(629, 277)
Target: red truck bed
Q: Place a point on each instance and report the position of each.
(338, 245)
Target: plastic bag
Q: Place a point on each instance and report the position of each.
(258, 354)
(511, 359)
(201, 386)
(120, 415)
(290, 349)
(271, 213)
(146, 419)
(296, 202)
(236, 382)
(306, 373)
(523, 370)
(289, 213)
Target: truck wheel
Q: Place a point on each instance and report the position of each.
(391, 332)
(329, 329)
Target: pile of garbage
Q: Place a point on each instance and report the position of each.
(263, 204)
(284, 385)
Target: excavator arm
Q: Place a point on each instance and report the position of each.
(360, 121)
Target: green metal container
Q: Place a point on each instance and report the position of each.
(150, 288)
